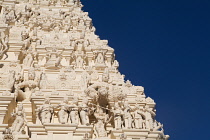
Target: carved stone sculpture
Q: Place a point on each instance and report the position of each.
(118, 113)
(127, 116)
(49, 50)
(139, 117)
(63, 114)
(4, 39)
(29, 85)
(46, 111)
(74, 112)
(53, 59)
(20, 121)
(149, 115)
(84, 112)
(100, 125)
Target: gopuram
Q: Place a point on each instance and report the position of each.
(60, 81)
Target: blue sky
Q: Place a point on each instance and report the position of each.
(163, 45)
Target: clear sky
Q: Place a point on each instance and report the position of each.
(163, 45)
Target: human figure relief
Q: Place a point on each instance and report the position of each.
(84, 112)
(100, 91)
(74, 115)
(100, 60)
(11, 79)
(139, 117)
(29, 85)
(100, 125)
(53, 59)
(149, 114)
(20, 121)
(63, 114)
(127, 116)
(28, 60)
(4, 39)
(118, 113)
(45, 112)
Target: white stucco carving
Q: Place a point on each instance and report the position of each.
(59, 79)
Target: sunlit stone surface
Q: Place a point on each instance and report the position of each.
(60, 81)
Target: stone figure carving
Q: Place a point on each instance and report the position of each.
(128, 119)
(128, 88)
(20, 121)
(100, 91)
(74, 112)
(9, 14)
(53, 59)
(84, 112)
(100, 125)
(28, 60)
(4, 39)
(11, 79)
(118, 113)
(100, 60)
(58, 54)
(45, 112)
(149, 115)
(139, 117)
(29, 86)
(63, 114)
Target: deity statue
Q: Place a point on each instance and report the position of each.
(149, 114)
(45, 111)
(127, 116)
(100, 125)
(11, 79)
(118, 113)
(9, 13)
(20, 120)
(53, 59)
(4, 39)
(63, 114)
(139, 116)
(74, 115)
(28, 60)
(100, 91)
(84, 112)
(100, 60)
(29, 85)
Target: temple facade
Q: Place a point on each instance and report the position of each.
(59, 80)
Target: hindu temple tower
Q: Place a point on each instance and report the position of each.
(59, 80)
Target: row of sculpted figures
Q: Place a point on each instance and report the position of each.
(68, 113)
(121, 115)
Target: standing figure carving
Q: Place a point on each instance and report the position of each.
(63, 114)
(4, 39)
(149, 114)
(74, 115)
(28, 60)
(139, 117)
(127, 116)
(100, 125)
(84, 112)
(45, 111)
(118, 113)
(20, 121)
